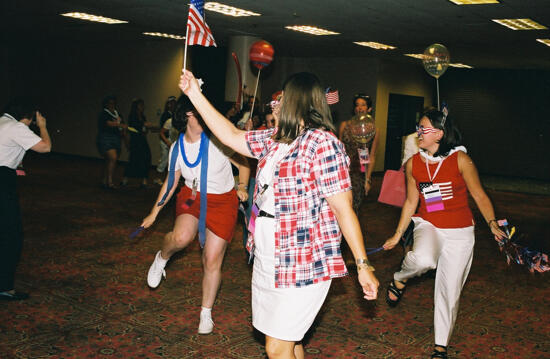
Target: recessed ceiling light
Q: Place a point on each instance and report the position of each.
(375, 45)
(544, 41)
(461, 66)
(416, 56)
(228, 10)
(161, 34)
(95, 18)
(311, 30)
(520, 24)
(474, 2)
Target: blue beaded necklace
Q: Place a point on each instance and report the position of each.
(201, 151)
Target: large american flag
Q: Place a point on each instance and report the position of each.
(199, 32)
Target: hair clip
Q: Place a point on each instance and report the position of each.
(445, 111)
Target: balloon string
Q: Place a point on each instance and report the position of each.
(254, 98)
(437, 82)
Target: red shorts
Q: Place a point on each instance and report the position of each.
(221, 214)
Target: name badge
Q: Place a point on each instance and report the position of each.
(255, 210)
(432, 196)
(364, 157)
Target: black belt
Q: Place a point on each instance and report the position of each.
(265, 214)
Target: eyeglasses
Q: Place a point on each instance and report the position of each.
(421, 130)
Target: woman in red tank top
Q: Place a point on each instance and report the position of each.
(439, 177)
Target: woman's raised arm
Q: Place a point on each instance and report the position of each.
(219, 125)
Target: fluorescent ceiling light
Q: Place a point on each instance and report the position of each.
(375, 45)
(544, 41)
(416, 56)
(161, 34)
(228, 10)
(96, 18)
(311, 30)
(462, 66)
(520, 24)
(474, 2)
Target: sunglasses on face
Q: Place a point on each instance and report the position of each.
(421, 130)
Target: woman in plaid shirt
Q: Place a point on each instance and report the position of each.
(302, 206)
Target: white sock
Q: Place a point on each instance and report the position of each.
(161, 260)
(206, 311)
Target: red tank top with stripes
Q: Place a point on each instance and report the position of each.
(454, 193)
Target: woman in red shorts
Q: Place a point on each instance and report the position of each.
(207, 203)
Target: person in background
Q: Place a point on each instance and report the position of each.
(439, 176)
(139, 162)
(270, 120)
(410, 147)
(302, 205)
(15, 139)
(232, 112)
(164, 138)
(109, 132)
(205, 165)
(361, 182)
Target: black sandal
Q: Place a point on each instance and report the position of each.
(439, 354)
(392, 288)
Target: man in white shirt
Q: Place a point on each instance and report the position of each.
(15, 139)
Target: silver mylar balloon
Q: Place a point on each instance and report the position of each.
(362, 128)
(436, 59)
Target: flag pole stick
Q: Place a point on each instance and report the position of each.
(255, 90)
(185, 51)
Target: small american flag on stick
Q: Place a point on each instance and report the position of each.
(332, 96)
(198, 31)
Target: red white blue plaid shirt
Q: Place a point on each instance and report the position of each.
(307, 235)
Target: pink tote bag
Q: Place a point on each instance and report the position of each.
(393, 191)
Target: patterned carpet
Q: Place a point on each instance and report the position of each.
(89, 297)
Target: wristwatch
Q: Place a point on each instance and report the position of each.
(363, 263)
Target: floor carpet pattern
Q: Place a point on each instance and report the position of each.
(89, 296)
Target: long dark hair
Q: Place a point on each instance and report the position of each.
(451, 136)
(133, 116)
(303, 100)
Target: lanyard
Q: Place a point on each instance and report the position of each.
(113, 115)
(436, 170)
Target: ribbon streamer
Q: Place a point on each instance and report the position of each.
(374, 250)
(534, 260)
(136, 232)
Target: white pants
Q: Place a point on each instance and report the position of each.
(451, 252)
(163, 158)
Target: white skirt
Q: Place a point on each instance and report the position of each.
(281, 313)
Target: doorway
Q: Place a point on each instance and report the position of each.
(403, 114)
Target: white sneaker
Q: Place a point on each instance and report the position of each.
(156, 272)
(206, 324)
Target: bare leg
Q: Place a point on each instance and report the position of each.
(212, 259)
(111, 157)
(299, 350)
(280, 349)
(183, 233)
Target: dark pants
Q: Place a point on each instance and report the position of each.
(11, 229)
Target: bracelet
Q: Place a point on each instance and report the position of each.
(363, 263)
(369, 181)
(490, 221)
(245, 186)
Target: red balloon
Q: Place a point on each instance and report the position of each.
(261, 54)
